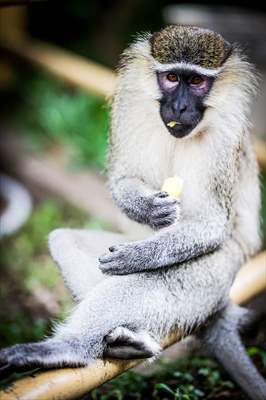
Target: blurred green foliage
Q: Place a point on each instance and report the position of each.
(50, 113)
(193, 378)
(27, 269)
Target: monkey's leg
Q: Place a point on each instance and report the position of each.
(120, 343)
(76, 253)
(222, 340)
(50, 353)
(126, 344)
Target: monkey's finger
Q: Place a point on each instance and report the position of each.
(113, 248)
(110, 258)
(164, 212)
(161, 194)
(163, 202)
(114, 268)
(117, 256)
(117, 247)
(121, 335)
(106, 258)
(165, 221)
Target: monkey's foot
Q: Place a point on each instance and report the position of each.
(126, 344)
(46, 354)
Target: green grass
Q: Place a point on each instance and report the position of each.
(51, 113)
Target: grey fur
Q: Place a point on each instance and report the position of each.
(181, 242)
(222, 340)
(193, 261)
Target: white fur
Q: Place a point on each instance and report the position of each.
(209, 150)
(189, 67)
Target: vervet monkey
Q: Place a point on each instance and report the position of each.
(180, 275)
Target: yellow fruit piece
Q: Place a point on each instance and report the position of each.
(171, 124)
(173, 186)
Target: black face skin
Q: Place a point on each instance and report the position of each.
(182, 98)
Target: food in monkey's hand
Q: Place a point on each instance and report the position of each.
(173, 186)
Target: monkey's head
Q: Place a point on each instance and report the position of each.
(187, 60)
(184, 81)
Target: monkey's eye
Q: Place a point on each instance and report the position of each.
(196, 80)
(172, 77)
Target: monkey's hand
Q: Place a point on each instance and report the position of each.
(124, 259)
(162, 210)
(143, 204)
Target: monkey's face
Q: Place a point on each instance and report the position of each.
(182, 101)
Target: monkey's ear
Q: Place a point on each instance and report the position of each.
(76, 253)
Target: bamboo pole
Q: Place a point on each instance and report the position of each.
(71, 68)
(71, 383)
(13, 22)
(260, 147)
(250, 280)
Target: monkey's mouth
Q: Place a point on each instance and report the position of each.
(179, 130)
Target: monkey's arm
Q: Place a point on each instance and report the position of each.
(142, 203)
(180, 242)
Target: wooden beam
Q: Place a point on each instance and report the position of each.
(260, 147)
(13, 22)
(71, 68)
(71, 383)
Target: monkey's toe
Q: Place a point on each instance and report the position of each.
(124, 343)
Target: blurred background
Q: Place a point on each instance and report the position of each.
(57, 71)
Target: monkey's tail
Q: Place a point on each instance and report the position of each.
(221, 338)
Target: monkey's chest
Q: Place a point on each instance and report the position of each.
(189, 165)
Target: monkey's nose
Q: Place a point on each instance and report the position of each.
(179, 108)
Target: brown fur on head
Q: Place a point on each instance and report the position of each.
(198, 46)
